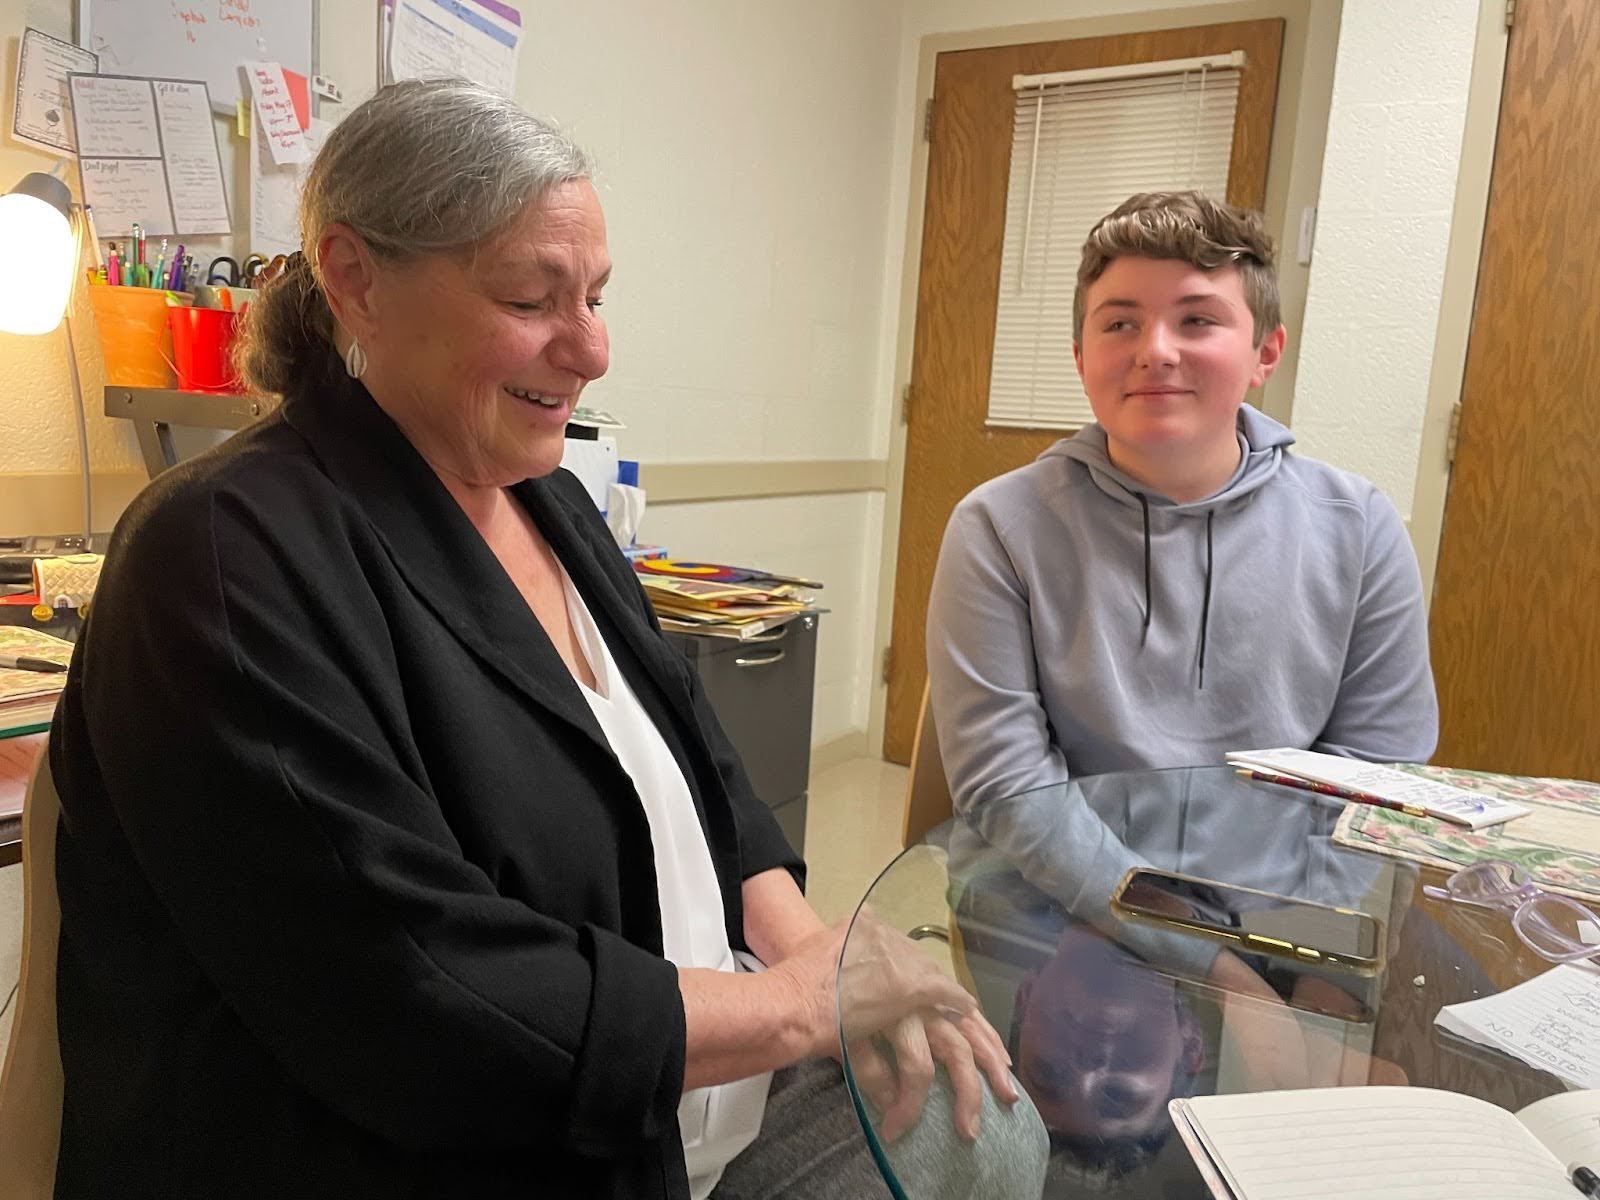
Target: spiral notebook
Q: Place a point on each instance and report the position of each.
(1387, 1143)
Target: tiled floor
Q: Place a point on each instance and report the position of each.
(852, 831)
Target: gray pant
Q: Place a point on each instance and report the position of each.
(811, 1147)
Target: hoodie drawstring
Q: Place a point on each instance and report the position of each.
(1205, 603)
(1205, 600)
(1144, 506)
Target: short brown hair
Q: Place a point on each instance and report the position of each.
(1193, 228)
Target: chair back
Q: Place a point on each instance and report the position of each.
(927, 791)
(31, 1082)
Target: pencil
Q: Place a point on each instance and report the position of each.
(1327, 789)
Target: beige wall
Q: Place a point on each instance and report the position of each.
(744, 155)
(762, 174)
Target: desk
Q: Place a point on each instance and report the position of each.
(1107, 1020)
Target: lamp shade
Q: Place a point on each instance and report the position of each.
(39, 253)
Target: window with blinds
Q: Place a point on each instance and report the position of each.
(1083, 142)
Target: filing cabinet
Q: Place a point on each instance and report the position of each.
(761, 690)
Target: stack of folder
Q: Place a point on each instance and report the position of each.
(688, 599)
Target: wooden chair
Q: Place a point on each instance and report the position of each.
(31, 1082)
(927, 790)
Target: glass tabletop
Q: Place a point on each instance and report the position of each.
(1111, 1008)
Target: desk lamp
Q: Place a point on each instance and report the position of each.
(39, 243)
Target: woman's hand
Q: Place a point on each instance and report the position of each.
(891, 988)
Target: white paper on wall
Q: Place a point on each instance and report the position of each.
(475, 39)
(148, 155)
(42, 114)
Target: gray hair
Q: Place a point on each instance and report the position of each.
(422, 167)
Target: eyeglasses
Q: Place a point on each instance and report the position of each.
(1553, 926)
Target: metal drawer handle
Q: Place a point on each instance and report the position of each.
(760, 662)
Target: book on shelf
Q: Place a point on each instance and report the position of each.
(1377, 1143)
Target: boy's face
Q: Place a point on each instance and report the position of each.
(1167, 354)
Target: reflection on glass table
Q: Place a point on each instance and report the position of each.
(1108, 1019)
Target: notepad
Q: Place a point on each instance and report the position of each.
(1551, 1022)
(1472, 809)
(1382, 1143)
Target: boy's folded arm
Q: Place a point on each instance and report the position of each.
(994, 736)
(1386, 708)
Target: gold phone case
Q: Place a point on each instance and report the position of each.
(1310, 956)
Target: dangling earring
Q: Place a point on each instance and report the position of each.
(355, 360)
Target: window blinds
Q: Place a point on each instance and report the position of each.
(1082, 142)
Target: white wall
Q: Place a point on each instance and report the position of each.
(1388, 195)
(756, 165)
(744, 158)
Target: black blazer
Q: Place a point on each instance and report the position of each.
(356, 900)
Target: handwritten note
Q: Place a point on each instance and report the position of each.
(42, 115)
(1551, 1022)
(116, 117)
(148, 153)
(194, 164)
(275, 113)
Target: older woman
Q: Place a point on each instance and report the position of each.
(400, 855)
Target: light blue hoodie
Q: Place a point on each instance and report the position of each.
(1080, 623)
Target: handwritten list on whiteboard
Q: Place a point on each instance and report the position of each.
(148, 155)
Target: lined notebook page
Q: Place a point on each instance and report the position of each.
(1568, 1125)
(1374, 1143)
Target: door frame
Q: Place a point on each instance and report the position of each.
(1294, 179)
(1468, 217)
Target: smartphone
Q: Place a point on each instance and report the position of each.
(1253, 921)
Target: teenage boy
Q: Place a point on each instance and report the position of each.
(1172, 582)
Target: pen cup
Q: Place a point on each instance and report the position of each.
(202, 345)
(132, 323)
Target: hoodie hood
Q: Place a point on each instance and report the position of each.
(1261, 438)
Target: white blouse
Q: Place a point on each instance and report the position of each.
(716, 1122)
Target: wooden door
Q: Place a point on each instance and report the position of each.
(1516, 606)
(949, 451)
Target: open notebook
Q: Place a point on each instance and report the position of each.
(1375, 1143)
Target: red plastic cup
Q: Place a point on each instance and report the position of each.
(202, 348)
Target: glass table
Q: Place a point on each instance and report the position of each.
(1107, 1019)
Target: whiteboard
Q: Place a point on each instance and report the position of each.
(199, 39)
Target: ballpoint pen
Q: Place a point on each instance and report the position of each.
(1327, 789)
(26, 662)
(1585, 1180)
(94, 234)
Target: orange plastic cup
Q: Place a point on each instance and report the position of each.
(134, 337)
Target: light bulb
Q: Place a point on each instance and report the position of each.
(38, 255)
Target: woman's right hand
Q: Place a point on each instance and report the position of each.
(889, 987)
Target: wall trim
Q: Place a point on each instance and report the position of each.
(45, 502)
(691, 483)
(49, 502)
(1459, 293)
(841, 749)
